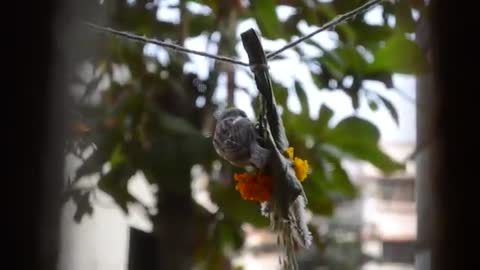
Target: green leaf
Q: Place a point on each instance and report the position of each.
(115, 184)
(359, 138)
(328, 11)
(83, 204)
(346, 33)
(334, 62)
(352, 58)
(370, 35)
(297, 124)
(339, 181)
(344, 6)
(391, 109)
(321, 80)
(302, 96)
(196, 149)
(333, 65)
(384, 77)
(230, 235)
(105, 142)
(290, 25)
(117, 156)
(373, 105)
(418, 4)
(399, 55)
(319, 203)
(364, 131)
(403, 16)
(199, 24)
(318, 200)
(128, 104)
(266, 17)
(343, 60)
(176, 125)
(281, 94)
(307, 13)
(133, 56)
(168, 164)
(92, 164)
(324, 116)
(354, 98)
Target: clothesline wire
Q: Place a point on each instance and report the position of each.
(169, 45)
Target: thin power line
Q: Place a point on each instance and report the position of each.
(164, 44)
(337, 20)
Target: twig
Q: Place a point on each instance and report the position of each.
(337, 20)
(164, 44)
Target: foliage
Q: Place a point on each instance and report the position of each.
(160, 118)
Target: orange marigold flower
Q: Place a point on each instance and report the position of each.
(256, 187)
(300, 165)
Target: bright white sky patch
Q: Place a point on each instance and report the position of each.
(284, 12)
(197, 8)
(374, 16)
(166, 11)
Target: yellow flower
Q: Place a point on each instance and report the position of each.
(300, 165)
(256, 187)
(301, 168)
(289, 152)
